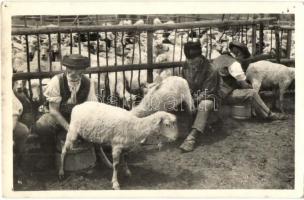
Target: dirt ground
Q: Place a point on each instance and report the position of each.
(250, 154)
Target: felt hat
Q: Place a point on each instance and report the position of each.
(192, 49)
(76, 61)
(240, 46)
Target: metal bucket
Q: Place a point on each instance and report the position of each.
(241, 111)
(81, 156)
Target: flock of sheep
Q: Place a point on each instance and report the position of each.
(117, 126)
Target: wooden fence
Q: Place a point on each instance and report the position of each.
(240, 25)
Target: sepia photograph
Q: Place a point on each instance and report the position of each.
(151, 101)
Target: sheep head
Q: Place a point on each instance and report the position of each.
(167, 125)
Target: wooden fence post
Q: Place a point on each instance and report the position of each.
(253, 39)
(150, 52)
(261, 38)
(278, 48)
(150, 56)
(288, 45)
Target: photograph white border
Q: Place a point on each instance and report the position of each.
(9, 9)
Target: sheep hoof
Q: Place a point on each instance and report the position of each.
(61, 175)
(128, 173)
(116, 186)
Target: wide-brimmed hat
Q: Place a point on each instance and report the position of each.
(192, 49)
(76, 61)
(240, 46)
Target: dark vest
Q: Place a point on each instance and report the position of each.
(227, 83)
(81, 96)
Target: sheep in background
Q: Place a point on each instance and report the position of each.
(156, 21)
(276, 76)
(102, 123)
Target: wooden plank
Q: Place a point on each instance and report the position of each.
(284, 60)
(281, 27)
(278, 48)
(150, 56)
(33, 75)
(261, 38)
(288, 48)
(253, 39)
(146, 27)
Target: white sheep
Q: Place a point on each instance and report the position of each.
(102, 123)
(266, 74)
(165, 95)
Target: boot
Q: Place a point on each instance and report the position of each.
(276, 116)
(189, 142)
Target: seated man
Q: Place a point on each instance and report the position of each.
(20, 135)
(203, 80)
(63, 92)
(233, 85)
(20, 130)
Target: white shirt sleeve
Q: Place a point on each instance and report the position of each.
(236, 71)
(52, 91)
(17, 106)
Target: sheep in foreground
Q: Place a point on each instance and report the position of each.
(102, 123)
(276, 76)
(165, 95)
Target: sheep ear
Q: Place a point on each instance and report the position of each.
(158, 79)
(159, 121)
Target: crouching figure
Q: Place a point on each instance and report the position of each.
(63, 92)
(203, 80)
(234, 87)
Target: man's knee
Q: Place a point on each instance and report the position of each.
(206, 105)
(21, 131)
(45, 124)
(45, 120)
(250, 93)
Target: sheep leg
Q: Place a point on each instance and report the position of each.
(126, 167)
(274, 98)
(105, 158)
(256, 85)
(116, 152)
(281, 98)
(66, 146)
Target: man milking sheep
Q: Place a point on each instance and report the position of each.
(63, 92)
(222, 81)
(234, 87)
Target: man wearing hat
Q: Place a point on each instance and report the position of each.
(233, 85)
(202, 78)
(63, 92)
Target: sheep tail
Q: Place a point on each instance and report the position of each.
(105, 159)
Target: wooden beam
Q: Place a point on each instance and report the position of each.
(253, 39)
(288, 45)
(118, 68)
(146, 27)
(278, 48)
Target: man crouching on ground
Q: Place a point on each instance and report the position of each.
(64, 91)
(203, 81)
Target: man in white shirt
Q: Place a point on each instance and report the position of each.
(63, 92)
(233, 85)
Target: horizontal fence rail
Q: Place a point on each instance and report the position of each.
(185, 25)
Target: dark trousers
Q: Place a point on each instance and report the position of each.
(47, 129)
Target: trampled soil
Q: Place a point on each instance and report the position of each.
(250, 154)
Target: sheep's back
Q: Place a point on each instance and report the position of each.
(99, 122)
(268, 73)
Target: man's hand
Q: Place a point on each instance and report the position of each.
(54, 111)
(244, 84)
